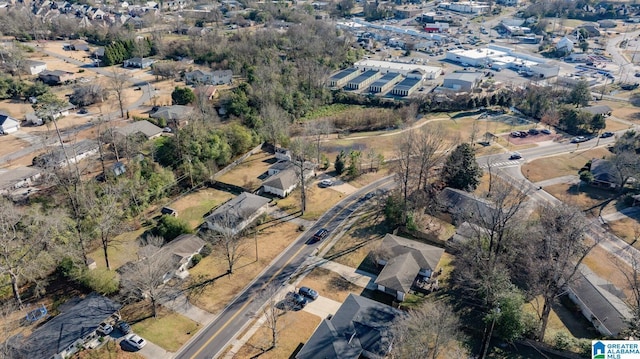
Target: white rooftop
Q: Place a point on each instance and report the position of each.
(397, 66)
(479, 53)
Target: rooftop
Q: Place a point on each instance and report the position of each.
(344, 73)
(406, 84)
(397, 66)
(145, 127)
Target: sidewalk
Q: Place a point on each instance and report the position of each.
(182, 306)
(558, 180)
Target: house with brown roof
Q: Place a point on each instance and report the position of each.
(56, 77)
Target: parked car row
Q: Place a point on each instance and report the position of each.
(531, 131)
(297, 301)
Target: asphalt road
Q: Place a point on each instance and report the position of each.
(213, 339)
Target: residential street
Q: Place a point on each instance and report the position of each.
(213, 339)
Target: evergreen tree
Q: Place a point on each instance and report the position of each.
(340, 162)
(461, 170)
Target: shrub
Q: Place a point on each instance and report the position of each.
(196, 259)
(170, 227)
(562, 341)
(206, 250)
(100, 280)
(583, 346)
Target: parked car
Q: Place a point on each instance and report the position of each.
(606, 134)
(123, 327)
(135, 341)
(545, 131)
(295, 300)
(308, 293)
(321, 234)
(83, 111)
(515, 134)
(579, 139)
(533, 131)
(167, 130)
(515, 156)
(104, 328)
(326, 183)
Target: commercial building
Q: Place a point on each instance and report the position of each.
(461, 81)
(406, 69)
(385, 82)
(436, 27)
(364, 80)
(498, 57)
(467, 7)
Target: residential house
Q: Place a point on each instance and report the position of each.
(603, 110)
(206, 92)
(566, 44)
(604, 173)
(405, 261)
(137, 62)
(183, 249)
(361, 328)
(199, 77)
(36, 67)
(465, 206)
(286, 180)
(283, 154)
(175, 114)
(237, 213)
(56, 77)
(278, 167)
(67, 333)
(19, 177)
(8, 124)
(142, 128)
(600, 302)
(72, 153)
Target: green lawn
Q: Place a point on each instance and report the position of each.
(170, 331)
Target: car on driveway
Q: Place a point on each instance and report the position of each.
(515, 156)
(134, 341)
(123, 327)
(606, 134)
(295, 301)
(105, 328)
(325, 183)
(308, 293)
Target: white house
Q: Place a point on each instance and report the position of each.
(8, 124)
(286, 179)
(198, 77)
(566, 44)
(36, 67)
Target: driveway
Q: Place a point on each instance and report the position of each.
(322, 307)
(152, 351)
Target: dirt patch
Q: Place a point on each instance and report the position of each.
(213, 294)
(329, 284)
(295, 329)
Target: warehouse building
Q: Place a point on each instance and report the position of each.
(406, 87)
(341, 78)
(364, 80)
(385, 82)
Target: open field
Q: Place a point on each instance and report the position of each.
(562, 165)
(319, 200)
(329, 284)
(211, 293)
(295, 329)
(192, 207)
(246, 174)
(170, 330)
(585, 197)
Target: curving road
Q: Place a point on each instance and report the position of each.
(212, 340)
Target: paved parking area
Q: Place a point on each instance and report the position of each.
(322, 307)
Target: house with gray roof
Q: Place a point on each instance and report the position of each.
(359, 329)
(75, 152)
(465, 206)
(144, 128)
(604, 173)
(199, 77)
(14, 178)
(237, 213)
(8, 124)
(175, 113)
(67, 333)
(137, 62)
(286, 178)
(182, 249)
(597, 110)
(404, 260)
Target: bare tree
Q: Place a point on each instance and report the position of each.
(275, 124)
(14, 60)
(301, 152)
(272, 316)
(430, 147)
(318, 130)
(227, 239)
(560, 248)
(147, 278)
(119, 80)
(403, 167)
(427, 332)
(107, 213)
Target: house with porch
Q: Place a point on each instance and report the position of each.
(406, 263)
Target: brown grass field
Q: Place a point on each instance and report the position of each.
(319, 200)
(566, 164)
(192, 207)
(329, 284)
(295, 329)
(246, 174)
(215, 294)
